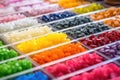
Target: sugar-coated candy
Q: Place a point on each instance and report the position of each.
(33, 76)
(87, 29)
(56, 16)
(106, 14)
(105, 72)
(30, 32)
(90, 8)
(27, 22)
(59, 52)
(42, 42)
(6, 53)
(104, 38)
(12, 17)
(14, 67)
(111, 51)
(115, 22)
(71, 22)
(71, 3)
(75, 64)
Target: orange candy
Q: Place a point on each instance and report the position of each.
(57, 53)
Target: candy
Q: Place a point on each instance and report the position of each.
(26, 33)
(90, 8)
(105, 14)
(71, 3)
(111, 51)
(33, 76)
(86, 30)
(71, 22)
(14, 67)
(113, 22)
(56, 16)
(5, 27)
(105, 72)
(101, 39)
(12, 17)
(6, 53)
(42, 42)
(75, 64)
(117, 78)
(57, 53)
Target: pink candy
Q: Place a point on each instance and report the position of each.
(11, 18)
(75, 64)
(105, 72)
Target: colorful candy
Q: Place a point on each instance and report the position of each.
(101, 39)
(90, 8)
(26, 33)
(12, 17)
(42, 42)
(33, 76)
(57, 53)
(27, 22)
(71, 3)
(70, 22)
(111, 51)
(115, 22)
(56, 16)
(75, 64)
(105, 14)
(86, 30)
(6, 53)
(105, 72)
(14, 67)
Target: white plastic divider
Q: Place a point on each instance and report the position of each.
(64, 59)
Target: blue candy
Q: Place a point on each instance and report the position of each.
(33, 76)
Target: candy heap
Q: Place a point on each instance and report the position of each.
(56, 16)
(105, 72)
(113, 22)
(71, 3)
(42, 42)
(71, 22)
(5, 27)
(111, 51)
(102, 39)
(58, 53)
(33, 76)
(14, 67)
(26, 33)
(12, 17)
(90, 8)
(87, 30)
(105, 14)
(75, 64)
(6, 53)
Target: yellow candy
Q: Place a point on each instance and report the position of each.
(42, 42)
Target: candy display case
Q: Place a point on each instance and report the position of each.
(44, 40)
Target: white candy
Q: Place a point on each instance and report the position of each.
(26, 33)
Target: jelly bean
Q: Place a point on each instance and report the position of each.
(26, 33)
(14, 67)
(90, 8)
(106, 14)
(75, 64)
(71, 22)
(56, 16)
(105, 72)
(57, 53)
(101, 39)
(86, 30)
(42, 42)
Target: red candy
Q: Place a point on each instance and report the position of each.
(74, 64)
(105, 72)
(102, 39)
